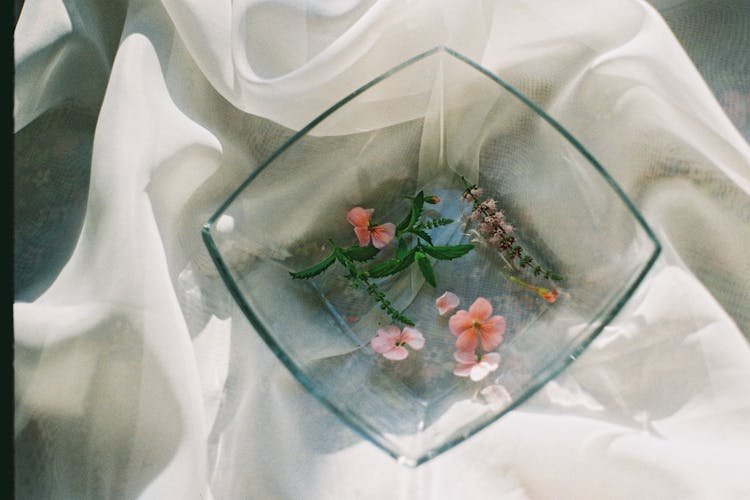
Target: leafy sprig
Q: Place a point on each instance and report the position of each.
(414, 245)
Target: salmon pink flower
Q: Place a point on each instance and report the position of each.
(380, 235)
(390, 342)
(474, 366)
(446, 303)
(477, 325)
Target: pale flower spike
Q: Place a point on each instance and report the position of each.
(475, 367)
(380, 235)
(446, 303)
(390, 342)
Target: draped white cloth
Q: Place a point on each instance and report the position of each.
(138, 377)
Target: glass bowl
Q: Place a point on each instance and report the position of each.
(434, 124)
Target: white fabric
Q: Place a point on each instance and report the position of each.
(138, 377)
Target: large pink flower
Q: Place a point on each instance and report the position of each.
(390, 342)
(381, 235)
(475, 367)
(477, 325)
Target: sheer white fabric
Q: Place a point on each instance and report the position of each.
(138, 377)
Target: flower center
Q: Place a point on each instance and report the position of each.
(476, 325)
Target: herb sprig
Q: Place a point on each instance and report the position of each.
(414, 245)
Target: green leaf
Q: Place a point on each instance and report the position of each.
(391, 266)
(406, 261)
(423, 235)
(402, 249)
(383, 268)
(447, 252)
(416, 207)
(424, 265)
(316, 269)
(360, 254)
(404, 223)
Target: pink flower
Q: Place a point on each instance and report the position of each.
(381, 235)
(446, 303)
(477, 325)
(475, 367)
(390, 342)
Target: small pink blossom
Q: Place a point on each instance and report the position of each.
(390, 342)
(488, 206)
(496, 238)
(474, 366)
(477, 325)
(380, 235)
(446, 303)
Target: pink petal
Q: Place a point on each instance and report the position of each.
(492, 360)
(491, 340)
(381, 344)
(479, 371)
(446, 302)
(359, 217)
(467, 341)
(496, 396)
(492, 332)
(480, 309)
(363, 235)
(495, 323)
(413, 337)
(396, 354)
(459, 322)
(382, 234)
(391, 332)
(462, 370)
(465, 357)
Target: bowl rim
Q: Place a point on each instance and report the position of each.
(539, 379)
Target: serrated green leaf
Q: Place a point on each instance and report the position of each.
(383, 268)
(406, 261)
(402, 250)
(425, 267)
(391, 266)
(426, 237)
(404, 223)
(315, 269)
(416, 207)
(448, 252)
(361, 254)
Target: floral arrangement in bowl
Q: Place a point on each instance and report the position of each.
(429, 252)
(478, 332)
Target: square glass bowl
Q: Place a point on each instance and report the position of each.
(423, 126)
